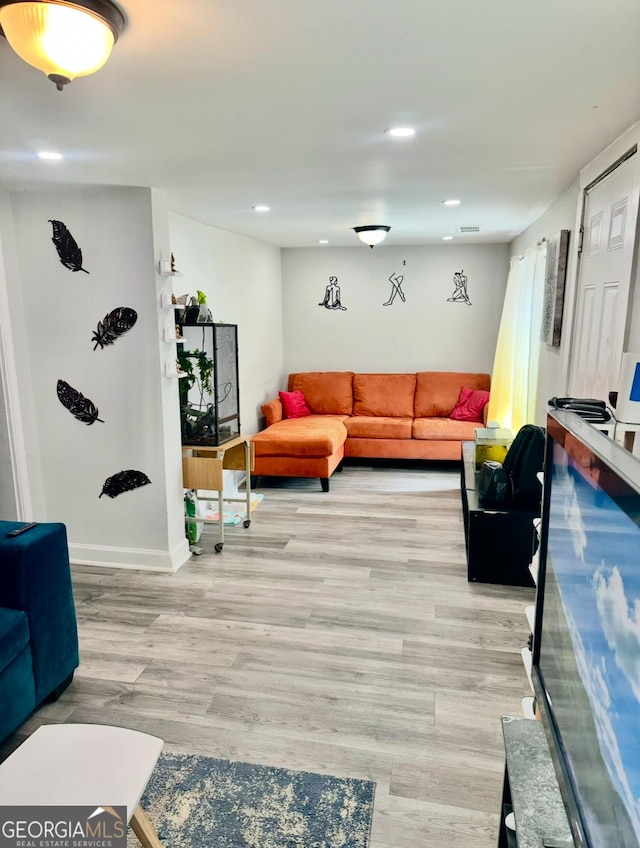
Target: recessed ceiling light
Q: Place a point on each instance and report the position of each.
(447, 238)
(451, 202)
(323, 241)
(49, 154)
(262, 208)
(401, 132)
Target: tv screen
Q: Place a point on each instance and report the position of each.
(587, 640)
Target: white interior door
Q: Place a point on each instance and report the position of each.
(610, 218)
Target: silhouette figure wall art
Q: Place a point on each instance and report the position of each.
(331, 298)
(460, 289)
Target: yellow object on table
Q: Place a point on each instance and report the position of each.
(492, 443)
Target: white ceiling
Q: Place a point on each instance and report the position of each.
(230, 103)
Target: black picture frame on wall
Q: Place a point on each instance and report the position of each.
(555, 277)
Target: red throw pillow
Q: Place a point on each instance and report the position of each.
(470, 405)
(294, 404)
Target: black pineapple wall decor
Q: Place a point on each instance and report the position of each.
(123, 481)
(113, 325)
(68, 251)
(459, 289)
(78, 405)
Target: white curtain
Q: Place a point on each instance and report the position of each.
(514, 380)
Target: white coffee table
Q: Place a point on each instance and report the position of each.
(84, 765)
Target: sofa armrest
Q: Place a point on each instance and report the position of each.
(272, 410)
(36, 577)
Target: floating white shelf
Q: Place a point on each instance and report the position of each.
(528, 707)
(169, 335)
(171, 370)
(530, 612)
(527, 661)
(164, 269)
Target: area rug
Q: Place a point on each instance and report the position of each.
(201, 802)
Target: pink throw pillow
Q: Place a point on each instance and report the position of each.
(470, 405)
(294, 404)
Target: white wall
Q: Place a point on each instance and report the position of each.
(113, 227)
(561, 215)
(242, 280)
(424, 333)
(23, 492)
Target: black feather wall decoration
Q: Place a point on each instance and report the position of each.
(67, 247)
(113, 325)
(123, 481)
(77, 404)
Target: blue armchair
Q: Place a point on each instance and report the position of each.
(38, 630)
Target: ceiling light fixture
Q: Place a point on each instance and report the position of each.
(262, 208)
(401, 132)
(447, 238)
(63, 39)
(323, 241)
(372, 235)
(50, 155)
(451, 202)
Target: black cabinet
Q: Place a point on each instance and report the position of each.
(499, 542)
(209, 393)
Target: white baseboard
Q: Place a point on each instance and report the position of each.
(140, 559)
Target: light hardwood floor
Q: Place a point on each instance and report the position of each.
(337, 634)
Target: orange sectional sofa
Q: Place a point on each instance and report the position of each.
(387, 416)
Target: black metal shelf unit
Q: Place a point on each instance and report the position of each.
(210, 393)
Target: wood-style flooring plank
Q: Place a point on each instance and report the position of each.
(337, 634)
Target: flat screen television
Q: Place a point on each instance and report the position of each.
(586, 653)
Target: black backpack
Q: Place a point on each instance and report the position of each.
(493, 484)
(523, 462)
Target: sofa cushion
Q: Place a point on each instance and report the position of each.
(470, 405)
(14, 635)
(438, 391)
(443, 429)
(378, 427)
(389, 395)
(326, 392)
(314, 435)
(293, 405)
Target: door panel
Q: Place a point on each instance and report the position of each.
(610, 216)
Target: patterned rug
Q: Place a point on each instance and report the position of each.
(201, 802)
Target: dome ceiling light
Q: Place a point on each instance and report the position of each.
(372, 235)
(62, 39)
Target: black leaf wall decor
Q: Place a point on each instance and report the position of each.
(114, 325)
(67, 247)
(78, 405)
(123, 481)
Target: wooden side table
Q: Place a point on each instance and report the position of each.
(202, 467)
(85, 765)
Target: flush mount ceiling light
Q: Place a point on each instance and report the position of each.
(62, 39)
(451, 202)
(50, 155)
(260, 208)
(372, 235)
(401, 132)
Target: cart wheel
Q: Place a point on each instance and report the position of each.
(246, 522)
(218, 547)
